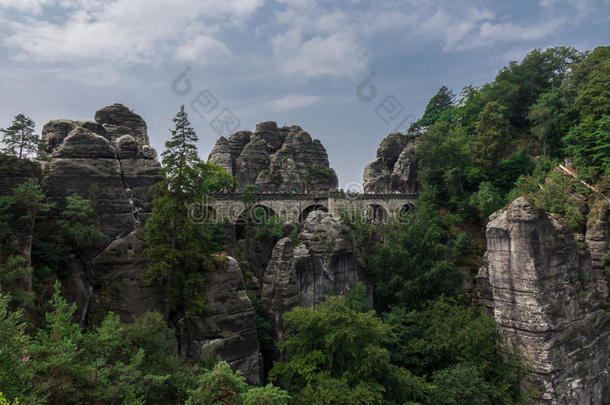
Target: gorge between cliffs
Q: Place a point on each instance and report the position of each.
(472, 266)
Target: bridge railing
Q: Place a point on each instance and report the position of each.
(315, 196)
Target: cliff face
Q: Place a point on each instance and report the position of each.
(395, 168)
(547, 296)
(228, 325)
(113, 153)
(276, 159)
(323, 260)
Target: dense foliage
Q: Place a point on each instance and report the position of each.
(414, 262)
(336, 355)
(553, 107)
(112, 363)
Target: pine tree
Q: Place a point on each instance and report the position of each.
(19, 137)
(180, 155)
(26, 203)
(15, 364)
(57, 354)
(441, 101)
(178, 248)
(491, 136)
(78, 223)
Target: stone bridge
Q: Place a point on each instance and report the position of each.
(295, 207)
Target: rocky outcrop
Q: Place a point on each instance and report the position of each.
(276, 159)
(117, 273)
(107, 160)
(597, 238)
(118, 120)
(395, 167)
(322, 260)
(540, 283)
(112, 153)
(228, 326)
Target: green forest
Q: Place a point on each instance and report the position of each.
(540, 130)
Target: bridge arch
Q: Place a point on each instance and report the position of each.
(376, 214)
(405, 210)
(258, 214)
(309, 209)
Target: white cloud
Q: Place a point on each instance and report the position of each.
(513, 32)
(301, 39)
(140, 31)
(337, 54)
(317, 42)
(27, 6)
(199, 48)
(102, 75)
(291, 102)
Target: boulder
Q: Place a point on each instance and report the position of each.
(122, 121)
(82, 143)
(55, 131)
(127, 147)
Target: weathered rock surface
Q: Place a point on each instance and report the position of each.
(118, 271)
(539, 282)
(113, 154)
(597, 238)
(275, 159)
(229, 324)
(395, 167)
(323, 260)
(120, 120)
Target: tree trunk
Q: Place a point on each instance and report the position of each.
(27, 253)
(168, 290)
(21, 144)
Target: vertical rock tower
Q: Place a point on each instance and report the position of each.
(280, 160)
(113, 153)
(547, 295)
(395, 168)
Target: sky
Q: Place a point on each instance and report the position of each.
(348, 72)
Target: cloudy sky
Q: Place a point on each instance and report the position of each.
(349, 72)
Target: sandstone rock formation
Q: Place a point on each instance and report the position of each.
(112, 154)
(228, 326)
(539, 282)
(395, 168)
(323, 260)
(276, 159)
